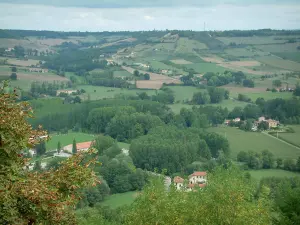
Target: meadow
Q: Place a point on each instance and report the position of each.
(293, 138)
(122, 73)
(66, 139)
(280, 63)
(294, 56)
(121, 199)
(99, 92)
(254, 40)
(259, 174)
(205, 67)
(243, 141)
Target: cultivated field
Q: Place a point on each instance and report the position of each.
(259, 174)
(293, 138)
(18, 62)
(181, 61)
(206, 67)
(250, 40)
(66, 139)
(122, 73)
(243, 141)
(280, 63)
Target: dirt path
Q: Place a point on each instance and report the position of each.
(281, 140)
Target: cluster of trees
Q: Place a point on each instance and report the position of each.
(141, 76)
(250, 111)
(47, 88)
(122, 123)
(212, 95)
(266, 160)
(218, 79)
(173, 149)
(106, 79)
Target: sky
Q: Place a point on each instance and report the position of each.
(117, 15)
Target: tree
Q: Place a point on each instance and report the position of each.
(54, 163)
(242, 156)
(37, 166)
(113, 151)
(74, 147)
(217, 95)
(13, 76)
(14, 69)
(298, 164)
(136, 73)
(58, 147)
(47, 204)
(263, 125)
(102, 143)
(289, 164)
(279, 162)
(41, 148)
(248, 83)
(146, 76)
(277, 83)
(297, 91)
(201, 98)
(77, 99)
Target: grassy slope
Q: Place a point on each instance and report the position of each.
(292, 137)
(66, 139)
(205, 67)
(117, 200)
(259, 174)
(245, 141)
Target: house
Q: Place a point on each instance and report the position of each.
(227, 122)
(262, 118)
(165, 71)
(178, 182)
(79, 146)
(272, 123)
(197, 177)
(9, 49)
(236, 120)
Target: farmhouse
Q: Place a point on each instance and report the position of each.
(272, 123)
(237, 120)
(197, 179)
(79, 146)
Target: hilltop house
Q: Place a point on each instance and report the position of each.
(65, 92)
(196, 179)
(80, 146)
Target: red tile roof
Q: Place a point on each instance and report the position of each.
(83, 145)
(178, 179)
(197, 174)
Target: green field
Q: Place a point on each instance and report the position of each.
(294, 56)
(253, 141)
(287, 47)
(259, 174)
(184, 92)
(122, 73)
(99, 92)
(117, 200)
(185, 45)
(66, 139)
(280, 63)
(205, 67)
(267, 95)
(254, 40)
(293, 138)
(244, 52)
(230, 104)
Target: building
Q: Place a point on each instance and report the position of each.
(236, 120)
(84, 146)
(272, 123)
(197, 179)
(262, 118)
(178, 182)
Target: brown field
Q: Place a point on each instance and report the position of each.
(156, 80)
(237, 65)
(40, 77)
(181, 61)
(17, 62)
(116, 42)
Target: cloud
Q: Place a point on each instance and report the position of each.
(148, 18)
(144, 3)
(220, 17)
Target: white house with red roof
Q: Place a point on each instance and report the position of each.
(197, 179)
(80, 146)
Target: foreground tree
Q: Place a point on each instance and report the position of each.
(227, 199)
(27, 197)
(74, 147)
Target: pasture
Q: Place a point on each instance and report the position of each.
(66, 139)
(280, 63)
(99, 92)
(293, 138)
(287, 47)
(205, 67)
(294, 56)
(244, 52)
(243, 141)
(122, 73)
(19, 62)
(254, 40)
(181, 61)
(259, 174)
(183, 93)
(186, 45)
(121, 199)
